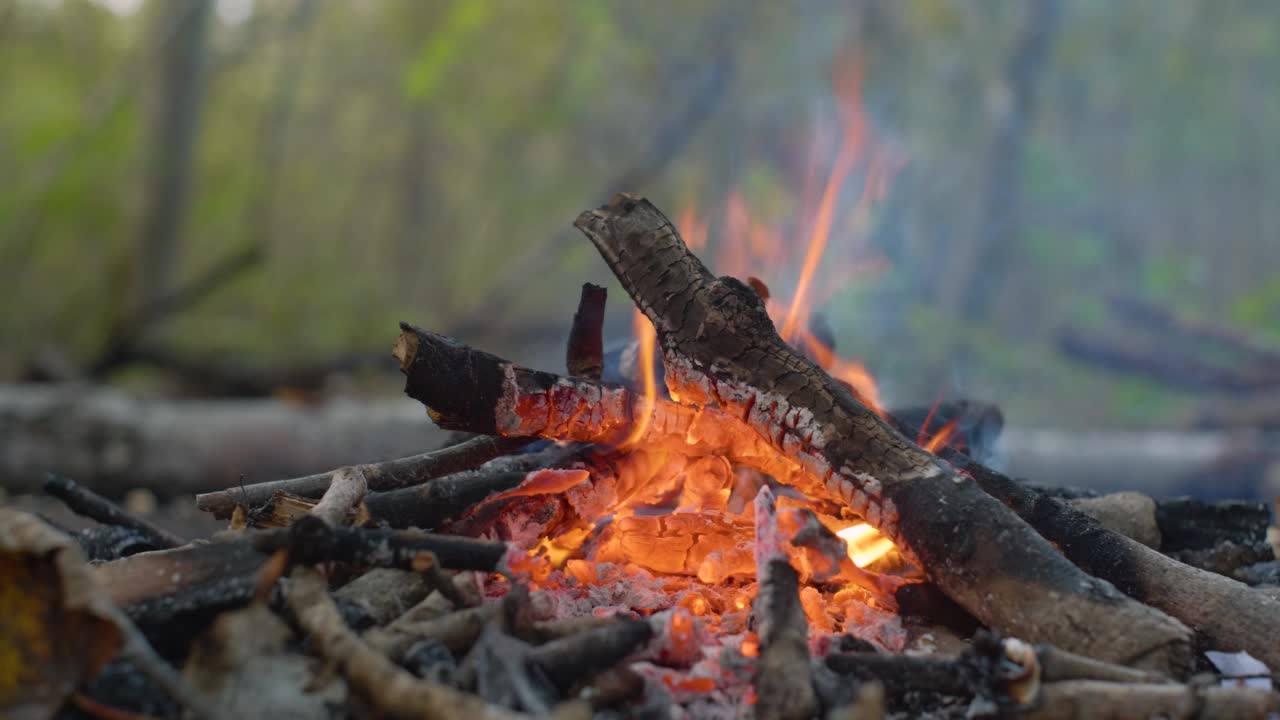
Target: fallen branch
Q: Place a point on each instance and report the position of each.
(381, 477)
(389, 689)
(83, 501)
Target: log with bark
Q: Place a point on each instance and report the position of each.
(766, 406)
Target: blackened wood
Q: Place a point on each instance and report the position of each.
(445, 498)
(86, 502)
(384, 476)
(112, 542)
(310, 541)
(580, 657)
(193, 580)
(721, 347)
(976, 672)
(1188, 524)
(1226, 614)
(585, 354)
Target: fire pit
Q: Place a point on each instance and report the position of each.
(748, 534)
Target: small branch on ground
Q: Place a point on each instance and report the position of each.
(388, 688)
(83, 501)
(381, 477)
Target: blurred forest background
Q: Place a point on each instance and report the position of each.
(1078, 221)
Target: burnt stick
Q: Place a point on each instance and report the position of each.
(310, 541)
(83, 501)
(383, 476)
(445, 498)
(584, 356)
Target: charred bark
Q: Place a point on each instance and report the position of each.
(585, 354)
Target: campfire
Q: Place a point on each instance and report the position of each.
(720, 521)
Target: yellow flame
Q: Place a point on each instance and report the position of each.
(866, 544)
(647, 338)
(851, 144)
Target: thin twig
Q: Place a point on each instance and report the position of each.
(83, 501)
(390, 689)
(381, 477)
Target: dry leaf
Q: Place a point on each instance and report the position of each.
(56, 628)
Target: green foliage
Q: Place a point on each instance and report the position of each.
(433, 153)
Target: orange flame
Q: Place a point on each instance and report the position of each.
(846, 157)
(647, 338)
(942, 438)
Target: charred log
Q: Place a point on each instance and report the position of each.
(720, 347)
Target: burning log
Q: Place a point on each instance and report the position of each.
(720, 347)
(1023, 586)
(390, 475)
(779, 413)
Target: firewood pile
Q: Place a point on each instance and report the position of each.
(736, 534)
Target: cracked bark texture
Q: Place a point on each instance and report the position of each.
(721, 349)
